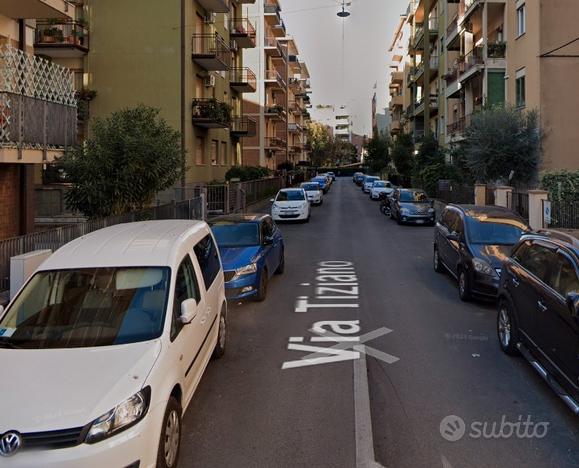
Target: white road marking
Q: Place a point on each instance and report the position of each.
(296, 339)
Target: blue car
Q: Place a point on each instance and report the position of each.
(323, 182)
(252, 251)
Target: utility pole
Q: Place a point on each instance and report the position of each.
(426, 75)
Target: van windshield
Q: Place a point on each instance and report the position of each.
(86, 308)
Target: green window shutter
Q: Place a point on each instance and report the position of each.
(496, 88)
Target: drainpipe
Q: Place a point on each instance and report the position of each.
(426, 76)
(183, 176)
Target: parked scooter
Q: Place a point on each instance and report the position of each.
(385, 203)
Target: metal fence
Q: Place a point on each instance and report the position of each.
(53, 239)
(461, 194)
(565, 214)
(519, 203)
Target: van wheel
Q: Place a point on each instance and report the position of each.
(262, 291)
(436, 261)
(463, 286)
(507, 330)
(170, 443)
(219, 350)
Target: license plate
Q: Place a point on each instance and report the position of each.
(419, 221)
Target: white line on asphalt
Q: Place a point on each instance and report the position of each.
(365, 457)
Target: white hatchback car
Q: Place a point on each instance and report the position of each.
(105, 344)
(380, 186)
(314, 192)
(291, 204)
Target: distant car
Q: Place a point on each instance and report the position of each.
(332, 175)
(328, 177)
(379, 187)
(412, 206)
(471, 242)
(117, 328)
(291, 205)
(323, 182)
(314, 192)
(358, 178)
(368, 182)
(252, 251)
(538, 309)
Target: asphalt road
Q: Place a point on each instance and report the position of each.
(249, 412)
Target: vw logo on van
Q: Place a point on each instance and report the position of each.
(10, 443)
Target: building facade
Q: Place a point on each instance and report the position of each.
(38, 110)
(281, 100)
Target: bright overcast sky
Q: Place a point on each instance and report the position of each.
(368, 33)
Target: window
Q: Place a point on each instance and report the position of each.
(563, 277)
(214, 152)
(520, 91)
(186, 287)
(223, 153)
(199, 151)
(521, 26)
(536, 260)
(208, 257)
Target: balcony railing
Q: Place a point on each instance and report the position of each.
(215, 6)
(211, 52)
(497, 50)
(37, 102)
(276, 111)
(453, 26)
(273, 77)
(211, 113)
(71, 34)
(294, 127)
(274, 142)
(243, 80)
(473, 59)
(243, 126)
(275, 48)
(242, 32)
(459, 125)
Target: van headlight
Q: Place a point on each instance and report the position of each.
(121, 417)
(483, 267)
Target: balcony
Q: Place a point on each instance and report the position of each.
(293, 127)
(242, 80)
(70, 39)
(433, 107)
(497, 50)
(211, 113)
(214, 6)
(396, 100)
(274, 80)
(243, 127)
(37, 107)
(274, 49)
(472, 63)
(243, 33)
(38, 9)
(274, 143)
(452, 35)
(419, 33)
(211, 52)
(456, 129)
(397, 77)
(272, 16)
(395, 126)
(275, 112)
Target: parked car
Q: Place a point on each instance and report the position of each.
(323, 182)
(291, 204)
(538, 309)
(412, 206)
(314, 192)
(252, 251)
(333, 176)
(472, 241)
(327, 176)
(368, 182)
(358, 178)
(379, 187)
(104, 346)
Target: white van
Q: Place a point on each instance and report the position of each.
(103, 347)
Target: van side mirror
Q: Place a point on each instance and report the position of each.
(453, 237)
(188, 311)
(573, 303)
(271, 200)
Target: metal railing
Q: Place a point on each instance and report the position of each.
(455, 193)
(565, 214)
(473, 58)
(273, 43)
(459, 125)
(274, 75)
(453, 26)
(519, 203)
(242, 26)
(243, 75)
(55, 238)
(274, 142)
(244, 125)
(497, 50)
(211, 111)
(211, 46)
(71, 33)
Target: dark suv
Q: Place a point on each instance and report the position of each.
(538, 309)
(471, 242)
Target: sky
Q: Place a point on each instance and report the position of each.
(368, 32)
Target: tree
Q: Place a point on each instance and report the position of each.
(130, 156)
(378, 156)
(319, 139)
(500, 140)
(402, 153)
(339, 152)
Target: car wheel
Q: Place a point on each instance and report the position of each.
(170, 442)
(438, 267)
(281, 266)
(463, 286)
(262, 290)
(507, 330)
(219, 350)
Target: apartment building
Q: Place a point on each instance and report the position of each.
(38, 108)
(279, 104)
(185, 58)
(338, 118)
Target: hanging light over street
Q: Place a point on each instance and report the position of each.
(344, 13)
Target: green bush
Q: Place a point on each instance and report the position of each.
(430, 176)
(245, 173)
(562, 185)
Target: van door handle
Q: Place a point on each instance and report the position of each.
(515, 282)
(542, 307)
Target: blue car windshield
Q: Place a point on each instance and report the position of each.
(495, 232)
(311, 187)
(236, 235)
(320, 180)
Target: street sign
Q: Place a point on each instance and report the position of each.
(546, 213)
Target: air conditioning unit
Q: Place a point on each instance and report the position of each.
(210, 18)
(210, 81)
(233, 46)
